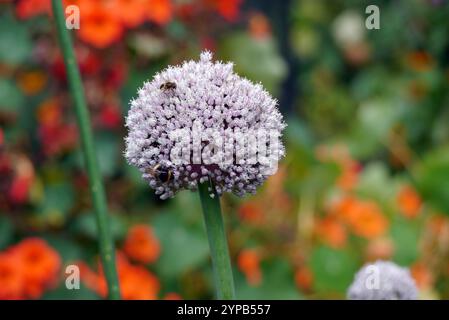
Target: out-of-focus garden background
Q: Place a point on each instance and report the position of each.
(366, 175)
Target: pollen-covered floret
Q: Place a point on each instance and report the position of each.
(211, 94)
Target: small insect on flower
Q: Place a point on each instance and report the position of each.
(161, 173)
(166, 86)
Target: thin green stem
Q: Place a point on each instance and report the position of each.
(221, 263)
(96, 186)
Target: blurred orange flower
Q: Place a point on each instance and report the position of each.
(259, 26)
(172, 296)
(136, 282)
(101, 24)
(340, 154)
(28, 269)
(380, 249)
(248, 262)
(409, 202)
(367, 220)
(159, 11)
(141, 244)
(304, 278)
(32, 82)
(422, 275)
(349, 175)
(40, 264)
(332, 232)
(420, 60)
(131, 12)
(251, 212)
(364, 218)
(11, 279)
(49, 112)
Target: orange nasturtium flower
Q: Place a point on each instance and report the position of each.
(364, 218)
(141, 244)
(26, 9)
(40, 264)
(100, 21)
(159, 11)
(11, 280)
(135, 281)
(248, 262)
(304, 278)
(409, 202)
(367, 220)
(332, 232)
(28, 269)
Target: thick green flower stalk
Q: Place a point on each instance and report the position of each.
(96, 186)
(219, 252)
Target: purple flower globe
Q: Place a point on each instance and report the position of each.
(383, 280)
(201, 122)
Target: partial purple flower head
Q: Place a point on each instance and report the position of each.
(383, 280)
(201, 122)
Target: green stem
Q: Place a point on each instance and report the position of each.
(221, 263)
(96, 186)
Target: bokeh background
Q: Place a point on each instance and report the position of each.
(366, 175)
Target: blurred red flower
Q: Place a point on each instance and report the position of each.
(304, 278)
(251, 212)
(228, 9)
(26, 9)
(56, 136)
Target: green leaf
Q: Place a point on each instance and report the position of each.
(11, 98)
(432, 178)
(6, 232)
(86, 225)
(257, 59)
(183, 247)
(405, 236)
(375, 182)
(333, 270)
(277, 283)
(62, 293)
(58, 200)
(107, 152)
(15, 42)
(68, 249)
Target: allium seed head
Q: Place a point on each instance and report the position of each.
(226, 107)
(383, 280)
